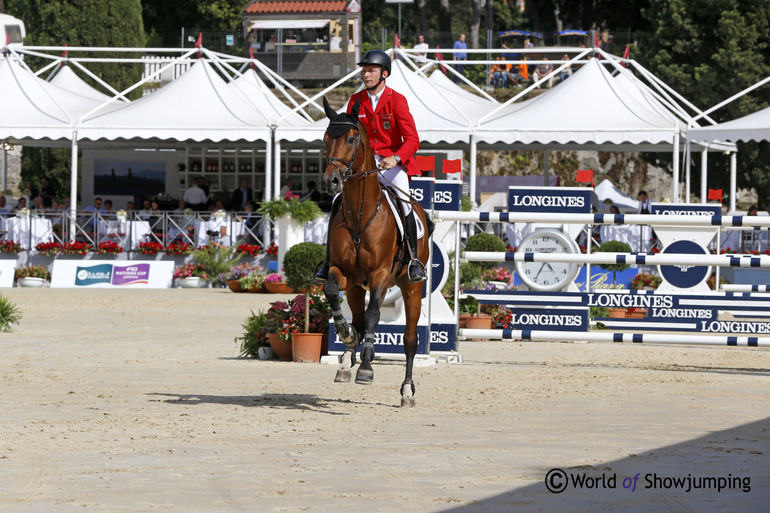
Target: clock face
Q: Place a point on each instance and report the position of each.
(547, 275)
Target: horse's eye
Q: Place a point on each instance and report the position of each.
(351, 139)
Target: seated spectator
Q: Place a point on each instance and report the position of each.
(146, 211)
(108, 207)
(38, 206)
(518, 75)
(543, 70)
(498, 74)
(20, 205)
(614, 209)
(129, 206)
(4, 210)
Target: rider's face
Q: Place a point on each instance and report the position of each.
(371, 75)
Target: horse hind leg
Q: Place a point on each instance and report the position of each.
(348, 360)
(347, 333)
(365, 373)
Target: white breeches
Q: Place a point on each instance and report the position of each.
(397, 176)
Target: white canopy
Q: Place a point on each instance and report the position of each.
(441, 114)
(67, 79)
(288, 24)
(256, 91)
(754, 127)
(591, 107)
(607, 191)
(198, 106)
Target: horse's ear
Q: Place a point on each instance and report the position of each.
(330, 113)
(356, 108)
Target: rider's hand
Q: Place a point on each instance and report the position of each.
(388, 162)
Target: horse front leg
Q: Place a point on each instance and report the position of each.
(412, 294)
(365, 373)
(346, 333)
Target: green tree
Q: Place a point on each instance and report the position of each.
(164, 19)
(117, 23)
(707, 51)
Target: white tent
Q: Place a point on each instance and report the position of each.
(67, 79)
(754, 127)
(264, 100)
(607, 191)
(591, 108)
(198, 106)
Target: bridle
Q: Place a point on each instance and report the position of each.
(346, 173)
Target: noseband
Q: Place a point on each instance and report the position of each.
(348, 171)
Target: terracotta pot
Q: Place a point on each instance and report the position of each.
(463, 322)
(306, 347)
(234, 285)
(282, 349)
(257, 290)
(636, 314)
(278, 288)
(616, 312)
(479, 322)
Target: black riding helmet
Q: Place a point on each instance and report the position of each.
(376, 58)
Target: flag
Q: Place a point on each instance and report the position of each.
(440, 57)
(452, 166)
(715, 194)
(585, 176)
(64, 53)
(199, 43)
(596, 40)
(427, 164)
(626, 53)
(396, 41)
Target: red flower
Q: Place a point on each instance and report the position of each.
(150, 248)
(272, 250)
(109, 248)
(178, 249)
(250, 249)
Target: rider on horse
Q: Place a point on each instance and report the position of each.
(394, 140)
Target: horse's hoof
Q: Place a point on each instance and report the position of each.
(364, 376)
(343, 376)
(407, 402)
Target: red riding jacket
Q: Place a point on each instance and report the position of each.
(391, 128)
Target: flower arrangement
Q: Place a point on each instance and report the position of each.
(300, 211)
(275, 278)
(76, 248)
(121, 214)
(220, 214)
(190, 270)
(150, 248)
(712, 281)
(272, 250)
(279, 320)
(503, 317)
(8, 246)
(178, 249)
(497, 274)
(109, 247)
(240, 271)
(49, 248)
(249, 249)
(643, 280)
(33, 271)
(23, 212)
(253, 281)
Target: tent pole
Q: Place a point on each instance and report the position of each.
(703, 172)
(546, 158)
(267, 194)
(74, 186)
(5, 169)
(277, 168)
(687, 173)
(733, 180)
(472, 172)
(675, 165)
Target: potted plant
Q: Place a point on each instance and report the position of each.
(646, 281)
(32, 275)
(253, 282)
(291, 214)
(108, 248)
(150, 248)
(499, 277)
(300, 263)
(216, 260)
(472, 272)
(49, 249)
(614, 246)
(76, 248)
(236, 273)
(8, 247)
(279, 329)
(178, 249)
(254, 341)
(275, 283)
(252, 250)
(191, 275)
(9, 314)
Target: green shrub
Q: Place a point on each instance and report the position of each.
(471, 271)
(614, 246)
(255, 329)
(300, 262)
(9, 314)
(216, 260)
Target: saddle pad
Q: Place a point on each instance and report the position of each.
(396, 214)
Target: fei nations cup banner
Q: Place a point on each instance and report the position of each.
(149, 274)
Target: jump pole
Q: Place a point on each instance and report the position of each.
(594, 336)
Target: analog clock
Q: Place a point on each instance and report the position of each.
(547, 276)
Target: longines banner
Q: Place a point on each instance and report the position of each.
(149, 274)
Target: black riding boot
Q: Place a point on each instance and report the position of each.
(415, 271)
(322, 274)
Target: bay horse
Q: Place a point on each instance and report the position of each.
(365, 250)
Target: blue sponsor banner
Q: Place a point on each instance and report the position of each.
(550, 319)
(560, 200)
(421, 190)
(447, 195)
(93, 274)
(389, 338)
(686, 209)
